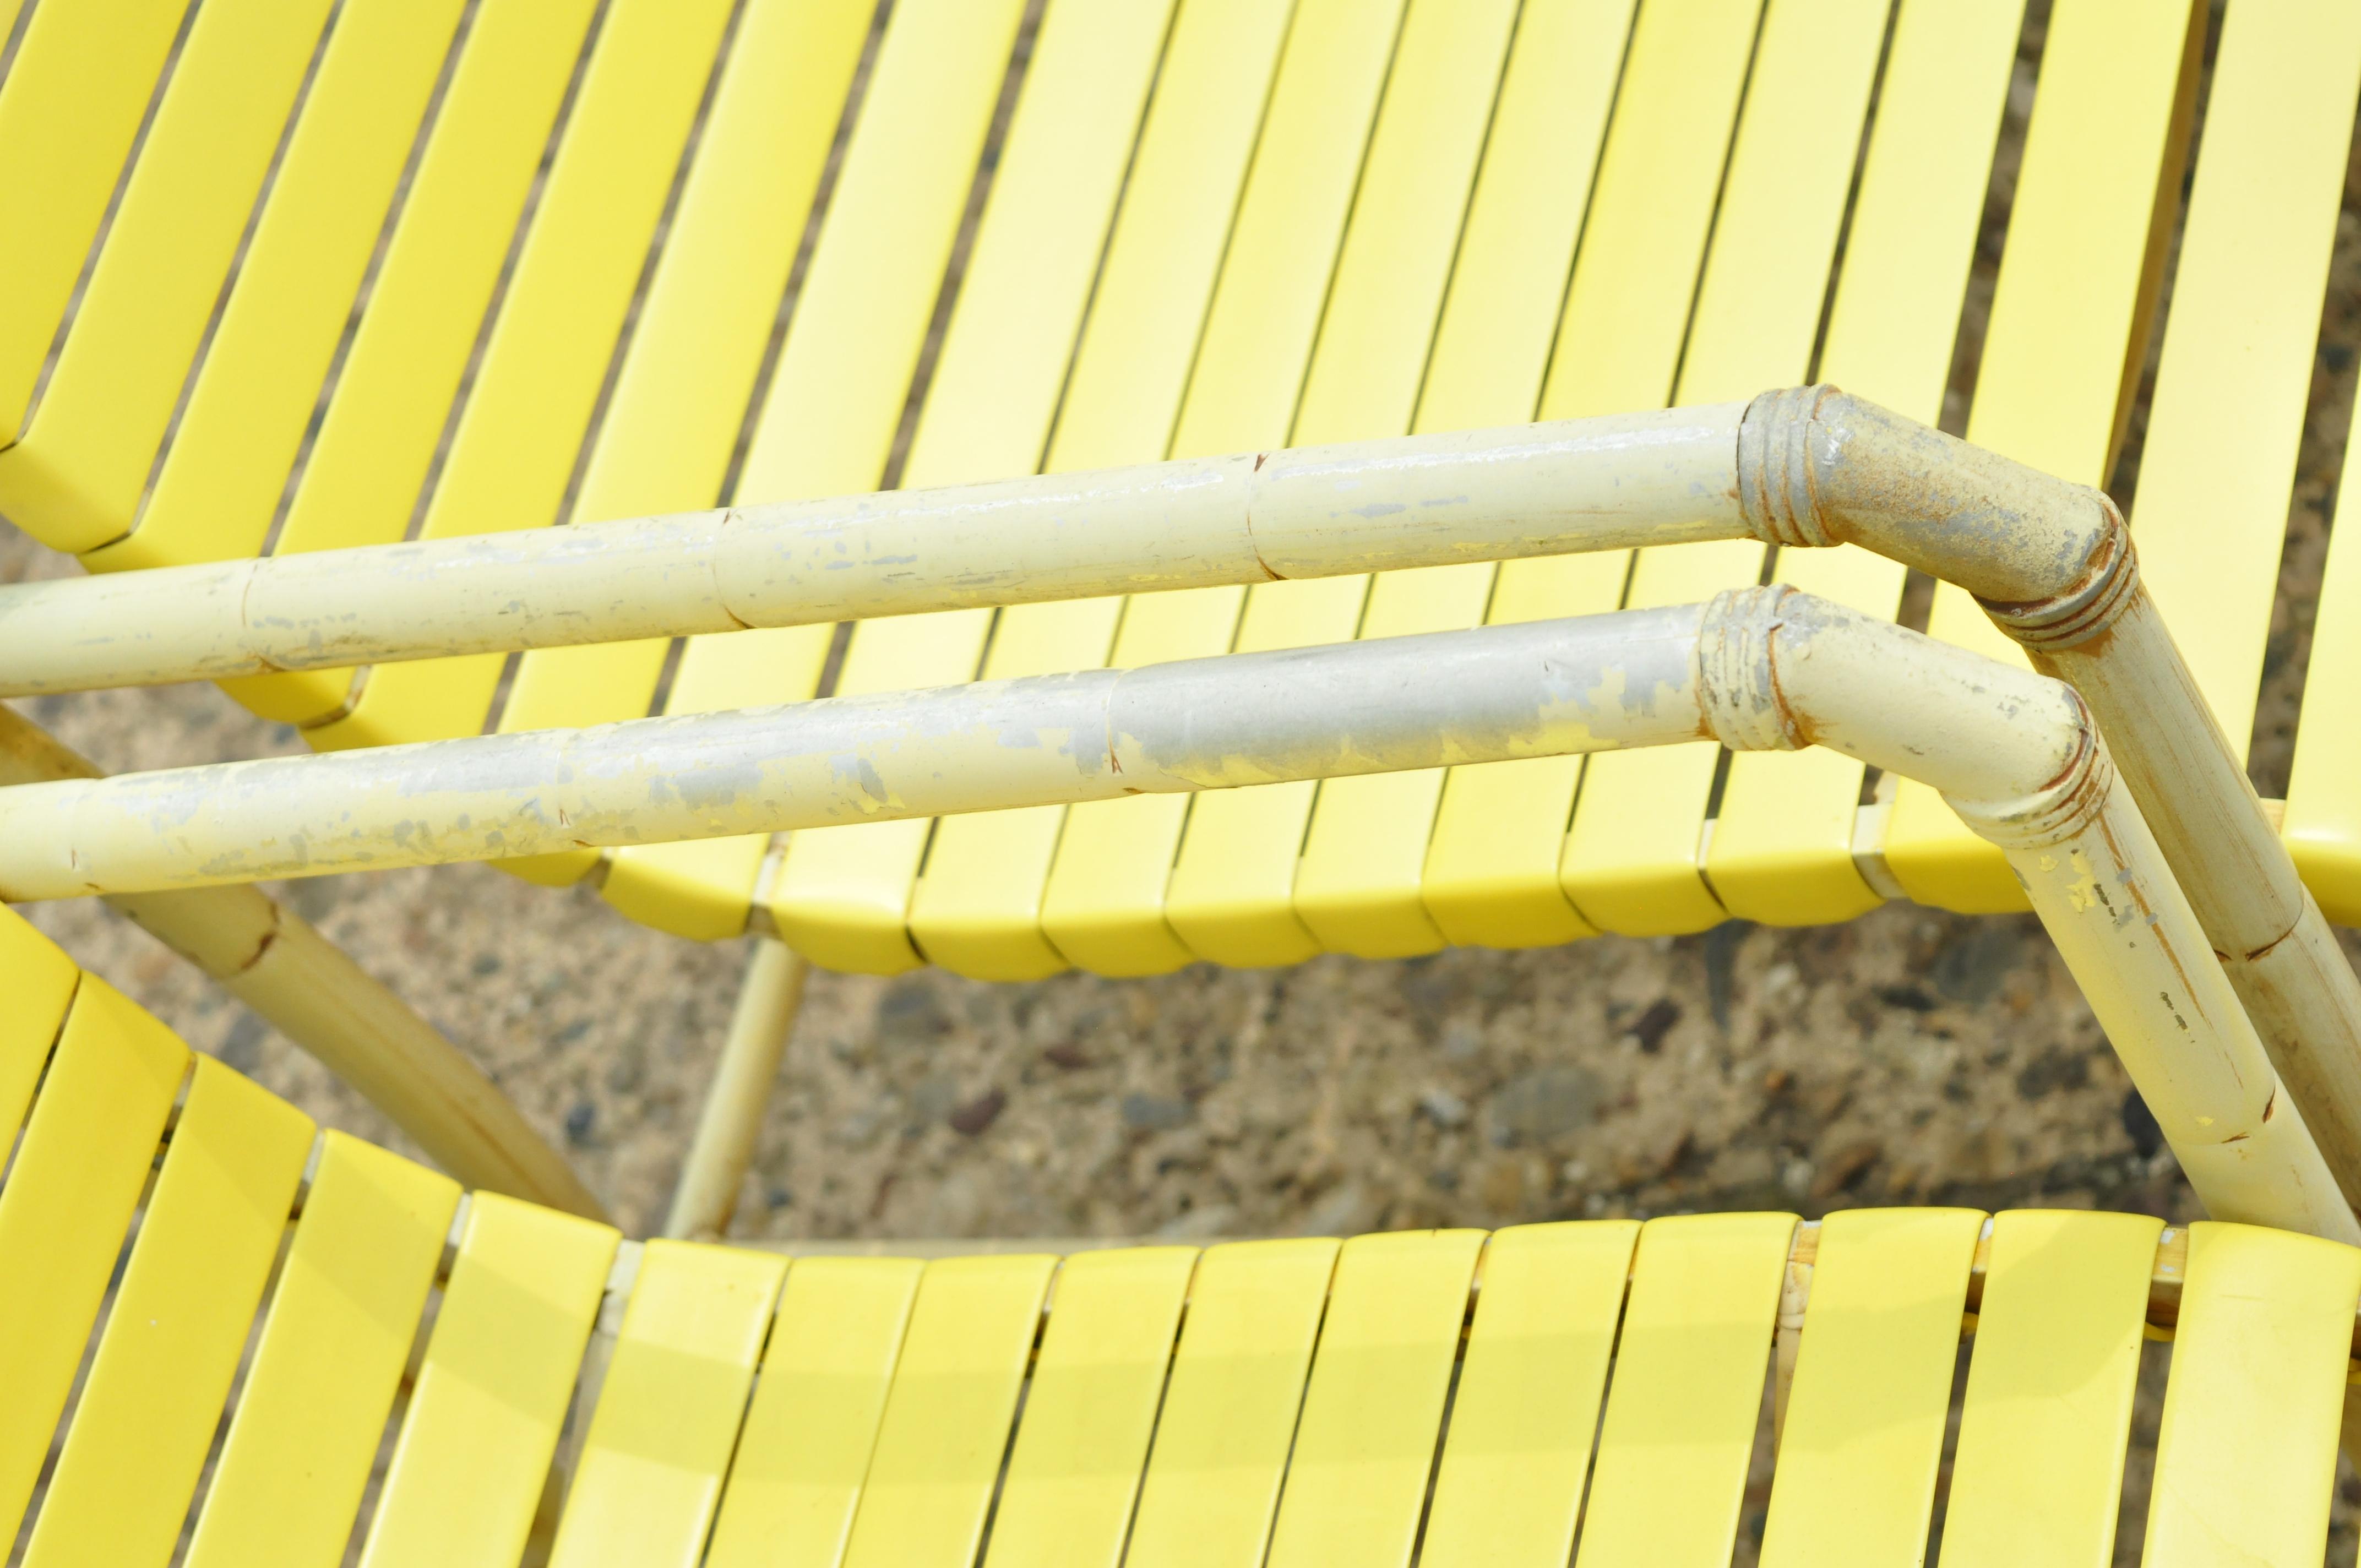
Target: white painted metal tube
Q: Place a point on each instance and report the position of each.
(2014, 752)
(275, 963)
(1545, 688)
(2017, 756)
(2053, 566)
(723, 1148)
(1596, 484)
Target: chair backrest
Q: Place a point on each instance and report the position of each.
(1297, 1400)
(448, 268)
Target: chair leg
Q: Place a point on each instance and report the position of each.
(724, 1146)
(314, 994)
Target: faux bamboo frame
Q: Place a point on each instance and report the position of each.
(2015, 752)
(2051, 561)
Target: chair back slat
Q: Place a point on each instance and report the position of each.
(79, 1168)
(153, 1399)
(829, 417)
(2246, 1456)
(545, 353)
(803, 1457)
(668, 1412)
(1230, 1407)
(1783, 836)
(1101, 904)
(1856, 1460)
(1234, 895)
(1517, 1453)
(492, 1393)
(948, 1415)
(329, 1362)
(988, 414)
(69, 112)
(1686, 1398)
(2048, 1411)
(77, 472)
(1633, 851)
(1074, 1467)
(1492, 869)
(255, 389)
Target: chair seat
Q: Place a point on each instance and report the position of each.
(1206, 226)
(1304, 1400)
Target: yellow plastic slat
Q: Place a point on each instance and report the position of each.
(2236, 367)
(1359, 886)
(1492, 867)
(805, 1452)
(1102, 906)
(1231, 894)
(2037, 1479)
(1631, 860)
(1365, 370)
(40, 982)
(1229, 1410)
(1364, 856)
(2247, 1455)
(2323, 826)
(1509, 1487)
(1074, 1472)
(517, 438)
(835, 399)
(85, 1153)
(75, 479)
(1242, 392)
(326, 1370)
(1865, 1431)
(947, 1417)
(2069, 327)
(1782, 850)
(154, 1396)
(490, 1399)
(689, 371)
(667, 1418)
(1687, 1391)
(221, 478)
(988, 415)
(362, 480)
(68, 110)
(1357, 1482)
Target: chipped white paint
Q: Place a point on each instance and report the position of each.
(2014, 752)
(1546, 489)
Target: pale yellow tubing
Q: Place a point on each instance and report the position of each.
(1810, 467)
(1765, 668)
(1612, 483)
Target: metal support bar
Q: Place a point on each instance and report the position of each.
(313, 992)
(1613, 483)
(2015, 753)
(723, 1149)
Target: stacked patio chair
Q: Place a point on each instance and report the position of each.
(1230, 604)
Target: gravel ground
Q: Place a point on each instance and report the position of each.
(1908, 1056)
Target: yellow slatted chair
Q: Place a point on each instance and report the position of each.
(569, 233)
(1209, 225)
(551, 1393)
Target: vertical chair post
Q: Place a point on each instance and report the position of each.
(724, 1145)
(276, 964)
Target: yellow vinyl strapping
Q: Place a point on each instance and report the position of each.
(1492, 870)
(153, 1399)
(2037, 1479)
